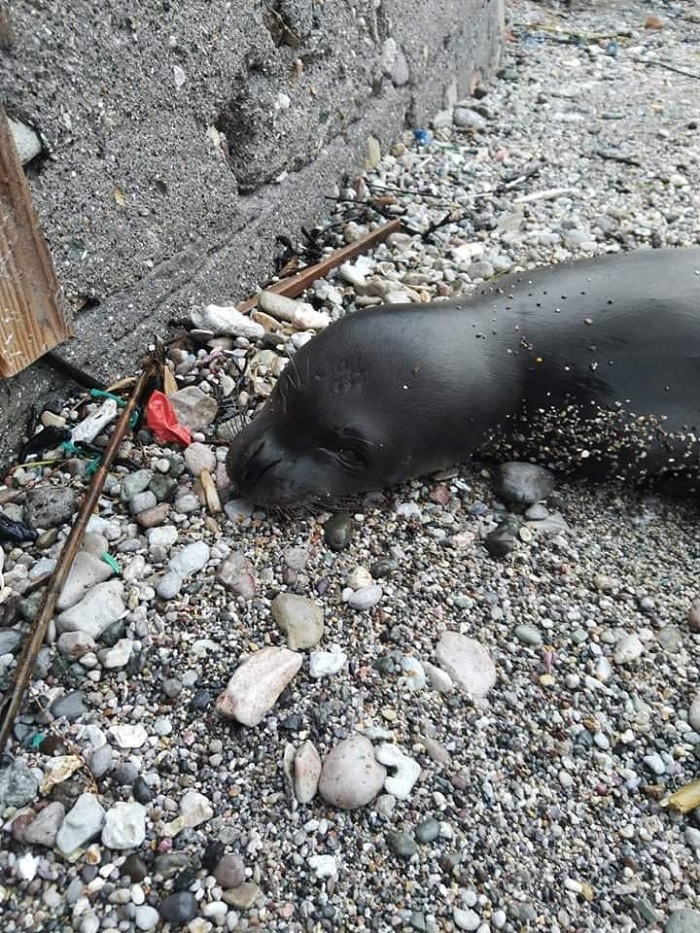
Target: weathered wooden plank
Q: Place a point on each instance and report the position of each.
(6, 36)
(33, 314)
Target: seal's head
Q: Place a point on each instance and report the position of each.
(302, 448)
(349, 414)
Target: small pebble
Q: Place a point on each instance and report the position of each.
(178, 908)
(401, 844)
(337, 532)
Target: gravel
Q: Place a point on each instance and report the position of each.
(497, 726)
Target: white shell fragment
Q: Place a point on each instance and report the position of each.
(406, 770)
(300, 314)
(225, 320)
(88, 429)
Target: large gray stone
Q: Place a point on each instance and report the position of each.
(81, 824)
(96, 611)
(18, 785)
(49, 506)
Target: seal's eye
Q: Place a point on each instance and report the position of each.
(350, 458)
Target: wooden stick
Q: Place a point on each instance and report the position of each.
(296, 284)
(25, 665)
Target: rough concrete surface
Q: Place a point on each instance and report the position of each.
(181, 138)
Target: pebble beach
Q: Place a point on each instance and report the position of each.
(435, 709)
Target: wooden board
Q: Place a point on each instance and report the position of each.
(6, 36)
(33, 315)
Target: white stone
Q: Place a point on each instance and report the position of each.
(169, 585)
(111, 530)
(226, 320)
(128, 736)
(27, 141)
(467, 118)
(195, 808)
(414, 676)
(359, 577)
(351, 776)
(694, 714)
(400, 73)
(327, 663)
(655, 763)
(193, 408)
(467, 253)
(299, 618)
(255, 686)
(97, 610)
(437, 678)
(186, 503)
(27, 865)
(307, 771)
(442, 119)
(467, 662)
(603, 670)
(89, 923)
(146, 917)
(283, 308)
(466, 919)
(407, 771)
(118, 655)
(191, 559)
(163, 536)
(125, 826)
(199, 457)
(308, 318)
(353, 273)
(74, 645)
(388, 56)
(365, 598)
(93, 544)
(87, 570)
(323, 866)
(627, 649)
(216, 910)
(81, 824)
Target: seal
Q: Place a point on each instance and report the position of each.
(591, 368)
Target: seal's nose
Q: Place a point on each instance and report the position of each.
(263, 457)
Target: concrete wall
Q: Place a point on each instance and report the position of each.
(182, 135)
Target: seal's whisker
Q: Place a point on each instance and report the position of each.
(294, 375)
(317, 506)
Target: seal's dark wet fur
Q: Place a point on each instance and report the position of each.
(591, 367)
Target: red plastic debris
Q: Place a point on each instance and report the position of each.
(161, 419)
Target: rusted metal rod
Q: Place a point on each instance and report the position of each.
(296, 284)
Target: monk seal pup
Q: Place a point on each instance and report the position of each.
(591, 368)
